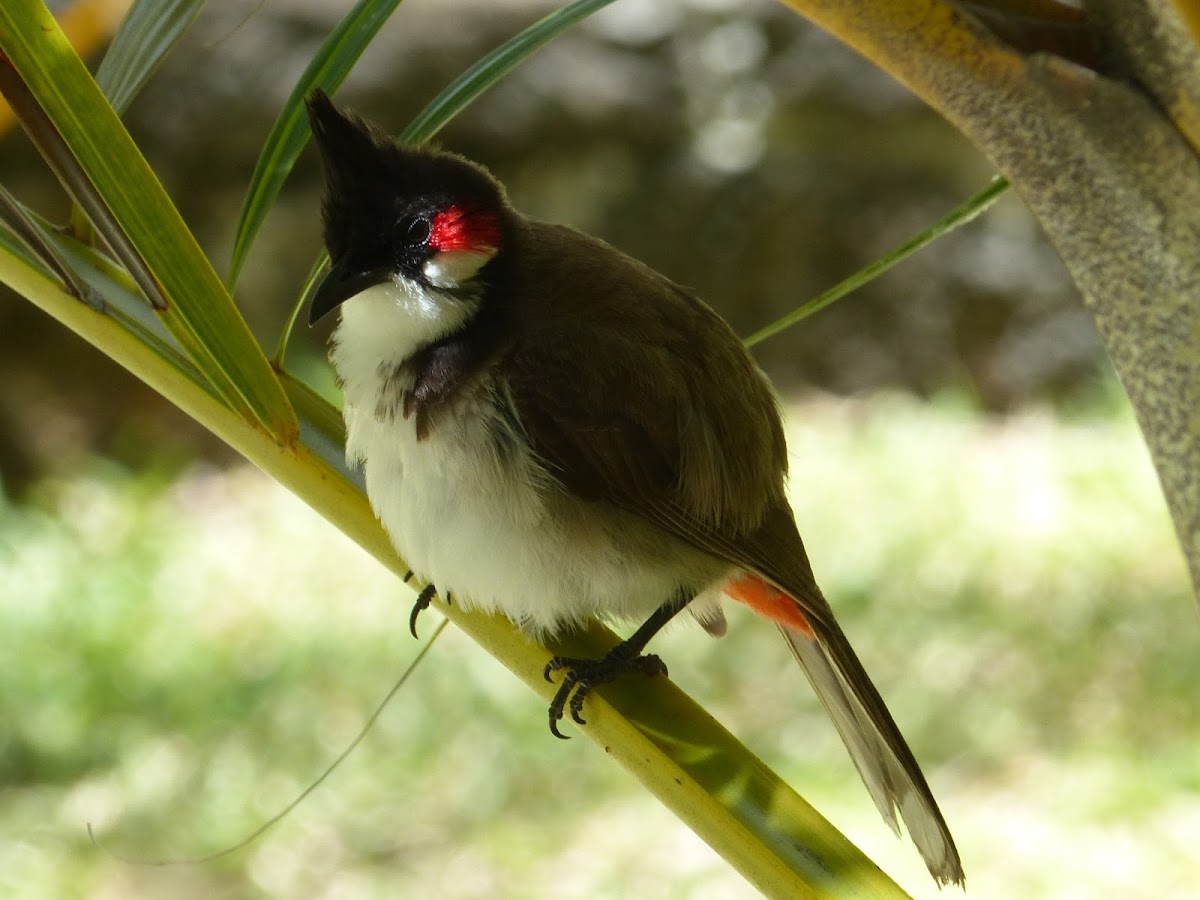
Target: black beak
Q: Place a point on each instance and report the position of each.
(342, 283)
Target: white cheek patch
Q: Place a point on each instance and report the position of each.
(410, 297)
(389, 321)
(453, 268)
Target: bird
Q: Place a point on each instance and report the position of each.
(552, 430)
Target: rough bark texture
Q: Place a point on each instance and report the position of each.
(1105, 163)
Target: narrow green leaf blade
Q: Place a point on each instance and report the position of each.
(279, 357)
(20, 224)
(461, 92)
(672, 746)
(289, 134)
(116, 179)
(147, 34)
(14, 241)
(960, 215)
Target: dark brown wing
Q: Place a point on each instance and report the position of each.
(635, 392)
(581, 421)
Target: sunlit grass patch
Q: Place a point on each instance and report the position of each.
(182, 656)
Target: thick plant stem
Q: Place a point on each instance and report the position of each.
(677, 751)
(1112, 179)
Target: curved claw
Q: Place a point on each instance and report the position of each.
(421, 604)
(557, 664)
(559, 702)
(585, 674)
(582, 689)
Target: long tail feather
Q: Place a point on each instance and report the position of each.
(880, 753)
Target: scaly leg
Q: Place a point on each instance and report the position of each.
(626, 658)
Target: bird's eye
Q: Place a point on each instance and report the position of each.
(413, 230)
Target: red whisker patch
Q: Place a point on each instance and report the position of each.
(456, 229)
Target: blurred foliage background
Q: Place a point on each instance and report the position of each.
(186, 645)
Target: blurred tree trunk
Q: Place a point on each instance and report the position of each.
(1095, 117)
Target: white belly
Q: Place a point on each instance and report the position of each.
(480, 518)
(499, 536)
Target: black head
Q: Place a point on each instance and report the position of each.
(428, 216)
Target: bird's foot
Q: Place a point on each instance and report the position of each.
(582, 675)
(423, 600)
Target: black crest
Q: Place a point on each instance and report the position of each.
(373, 183)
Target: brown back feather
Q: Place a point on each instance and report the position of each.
(669, 418)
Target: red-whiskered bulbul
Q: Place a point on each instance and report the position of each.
(552, 430)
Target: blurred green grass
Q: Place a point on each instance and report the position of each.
(183, 653)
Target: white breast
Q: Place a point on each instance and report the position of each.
(471, 510)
